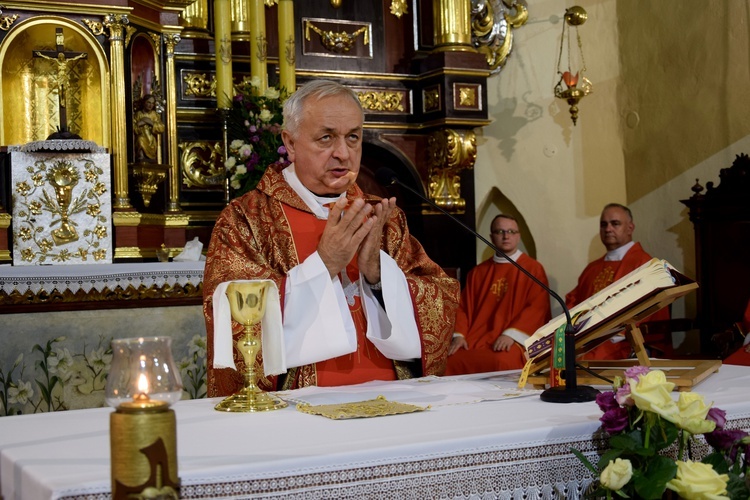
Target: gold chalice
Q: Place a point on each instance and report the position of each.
(247, 301)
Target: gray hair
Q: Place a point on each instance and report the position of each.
(319, 89)
(622, 207)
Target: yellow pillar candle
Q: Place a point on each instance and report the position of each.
(223, 49)
(258, 45)
(287, 75)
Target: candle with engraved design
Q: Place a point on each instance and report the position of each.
(258, 46)
(287, 75)
(142, 383)
(223, 48)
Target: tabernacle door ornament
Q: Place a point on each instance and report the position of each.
(62, 208)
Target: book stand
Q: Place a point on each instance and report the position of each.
(683, 373)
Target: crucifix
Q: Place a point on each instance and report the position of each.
(63, 60)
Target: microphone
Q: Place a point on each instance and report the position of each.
(571, 392)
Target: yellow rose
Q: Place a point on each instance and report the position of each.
(271, 93)
(699, 481)
(693, 411)
(616, 474)
(265, 115)
(652, 392)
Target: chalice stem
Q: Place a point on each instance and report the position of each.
(249, 346)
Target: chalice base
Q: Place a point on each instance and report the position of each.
(250, 400)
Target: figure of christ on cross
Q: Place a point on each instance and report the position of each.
(64, 60)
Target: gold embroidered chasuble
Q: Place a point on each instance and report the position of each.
(252, 239)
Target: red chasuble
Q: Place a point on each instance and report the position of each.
(498, 297)
(253, 238)
(598, 275)
(366, 363)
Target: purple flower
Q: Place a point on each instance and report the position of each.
(727, 440)
(281, 150)
(238, 98)
(255, 138)
(614, 420)
(606, 401)
(718, 416)
(635, 372)
(623, 396)
(253, 129)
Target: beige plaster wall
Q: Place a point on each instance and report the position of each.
(670, 104)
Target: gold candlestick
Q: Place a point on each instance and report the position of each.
(247, 301)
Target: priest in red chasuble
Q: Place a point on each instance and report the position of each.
(623, 256)
(500, 307)
(360, 299)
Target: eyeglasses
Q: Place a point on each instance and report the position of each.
(503, 232)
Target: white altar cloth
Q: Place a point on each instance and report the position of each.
(509, 448)
(98, 276)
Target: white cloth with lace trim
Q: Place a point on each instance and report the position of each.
(509, 448)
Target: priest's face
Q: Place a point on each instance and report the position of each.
(505, 235)
(326, 148)
(615, 228)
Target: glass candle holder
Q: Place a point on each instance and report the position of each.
(143, 368)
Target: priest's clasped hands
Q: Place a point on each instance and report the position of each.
(355, 229)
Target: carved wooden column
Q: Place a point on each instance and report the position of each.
(116, 24)
(450, 151)
(452, 25)
(240, 20)
(195, 15)
(173, 160)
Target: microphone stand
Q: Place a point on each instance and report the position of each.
(571, 392)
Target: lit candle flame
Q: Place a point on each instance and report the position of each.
(142, 387)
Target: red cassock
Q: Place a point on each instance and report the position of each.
(600, 274)
(742, 355)
(268, 231)
(498, 297)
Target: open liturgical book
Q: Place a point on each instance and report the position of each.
(626, 293)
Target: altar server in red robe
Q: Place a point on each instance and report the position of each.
(500, 308)
(360, 298)
(623, 256)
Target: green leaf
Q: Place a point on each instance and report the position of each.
(630, 441)
(651, 482)
(585, 461)
(717, 461)
(607, 457)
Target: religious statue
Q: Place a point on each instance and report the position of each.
(62, 79)
(62, 61)
(147, 125)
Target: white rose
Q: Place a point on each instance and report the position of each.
(231, 161)
(617, 474)
(271, 93)
(245, 151)
(265, 115)
(241, 169)
(235, 144)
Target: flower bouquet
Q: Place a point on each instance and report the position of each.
(645, 425)
(254, 131)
